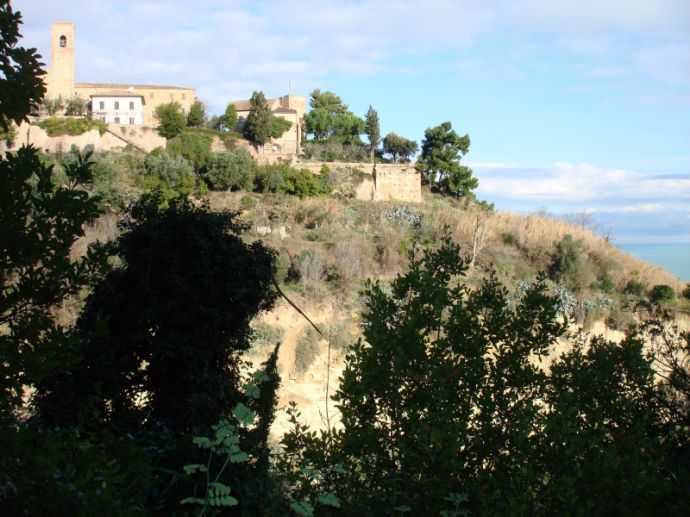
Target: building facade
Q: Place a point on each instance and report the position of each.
(118, 108)
(60, 82)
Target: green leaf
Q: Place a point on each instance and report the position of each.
(239, 457)
(302, 508)
(192, 500)
(202, 441)
(191, 469)
(329, 499)
(252, 391)
(243, 414)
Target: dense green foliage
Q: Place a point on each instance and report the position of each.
(257, 127)
(456, 396)
(21, 86)
(442, 150)
(227, 121)
(399, 147)
(171, 119)
(75, 107)
(197, 114)
(330, 119)
(230, 170)
(662, 293)
(280, 178)
(193, 146)
(38, 225)
(373, 130)
(71, 126)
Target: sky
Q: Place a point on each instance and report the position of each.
(571, 106)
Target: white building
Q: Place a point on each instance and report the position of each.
(118, 107)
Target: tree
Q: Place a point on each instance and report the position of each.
(318, 122)
(230, 170)
(75, 106)
(330, 119)
(456, 394)
(161, 336)
(39, 223)
(21, 86)
(372, 130)
(194, 146)
(197, 114)
(442, 149)
(227, 121)
(327, 101)
(257, 127)
(399, 147)
(171, 119)
(278, 126)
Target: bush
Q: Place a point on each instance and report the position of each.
(306, 351)
(194, 146)
(71, 126)
(336, 152)
(230, 170)
(636, 288)
(280, 178)
(662, 293)
(444, 395)
(171, 119)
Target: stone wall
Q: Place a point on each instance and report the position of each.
(118, 137)
(390, 182)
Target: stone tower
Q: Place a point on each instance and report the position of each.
(60, 78)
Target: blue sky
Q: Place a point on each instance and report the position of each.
(571, 106)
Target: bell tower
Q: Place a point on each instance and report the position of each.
(61, 75)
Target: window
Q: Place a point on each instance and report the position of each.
(103, 119)
(101, 105)
(184, 96)
(63, 41)
(131, 120)
(151, 95)
(131, 105)
(117, 105)
(172, 96)
(117, 120)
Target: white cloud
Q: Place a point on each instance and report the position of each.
(581, 182)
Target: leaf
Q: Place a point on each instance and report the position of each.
(201, 441)
(239, 457)
(302, 508)
(403, 508)
(329, 499)
(192, 500)
(243, 414)
(191, 469)
(252, 391)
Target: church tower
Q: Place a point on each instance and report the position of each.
(60, 79)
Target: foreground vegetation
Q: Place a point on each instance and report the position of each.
(454, 402)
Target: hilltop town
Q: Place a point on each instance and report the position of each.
(128, 112)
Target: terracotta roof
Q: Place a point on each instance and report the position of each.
(241, 105)
(122, 86)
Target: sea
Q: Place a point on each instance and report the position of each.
(673, 257)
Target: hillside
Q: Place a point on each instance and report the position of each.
(329, 247)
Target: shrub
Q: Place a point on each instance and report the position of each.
(230, 170)
(71, 126)
(280, 178)
(605, 285)
(265, 336)
(636, 288)
(194, 146)
(171, 119)
(662, 293)
(306, 351)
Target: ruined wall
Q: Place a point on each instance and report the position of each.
(391, 182)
